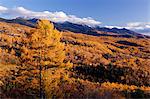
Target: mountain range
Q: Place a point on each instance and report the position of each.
(79, 28)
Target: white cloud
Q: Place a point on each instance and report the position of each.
(133, 26)
(119, 27)
(3, 9)
(52, 16)
(140, 27)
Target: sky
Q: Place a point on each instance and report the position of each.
(131, 14)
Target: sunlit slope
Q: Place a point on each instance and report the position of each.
(118, 66)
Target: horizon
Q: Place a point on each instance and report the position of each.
(127, 14)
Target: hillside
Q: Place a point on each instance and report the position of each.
(104, 65)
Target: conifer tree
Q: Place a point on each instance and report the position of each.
(42, 50)
(44, 46)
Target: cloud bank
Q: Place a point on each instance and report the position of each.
(141, 27)
(52, 16)
(3, 9)
(134, 26)
(138, 25)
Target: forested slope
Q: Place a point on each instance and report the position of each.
(75, 65)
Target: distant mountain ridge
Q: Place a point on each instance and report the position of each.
(78, 28)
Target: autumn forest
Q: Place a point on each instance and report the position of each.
(45, 62)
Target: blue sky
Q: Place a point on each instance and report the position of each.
(107, 12)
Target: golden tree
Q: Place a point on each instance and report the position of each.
(40, 49)
(43, 46)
